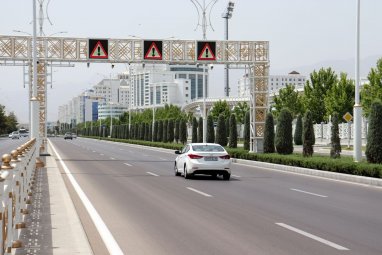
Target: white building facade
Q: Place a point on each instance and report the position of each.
(275, 83)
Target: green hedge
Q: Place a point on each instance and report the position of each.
(342, 165)
(320, 162)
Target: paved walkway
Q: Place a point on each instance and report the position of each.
(53, 226)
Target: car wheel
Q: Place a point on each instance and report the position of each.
(186, 174)
(226, 176)
(214, 175)
(176, 170)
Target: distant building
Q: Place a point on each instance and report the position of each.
(142, 86)
(275, 83)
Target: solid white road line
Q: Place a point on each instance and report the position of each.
(127, 164)
(306, 192)
(112, 158)
(152, 174)
(235, 176)
(319, 239)
(107, 237)
(199, 192)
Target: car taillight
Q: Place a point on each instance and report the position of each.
(193, 156)
(225, 157)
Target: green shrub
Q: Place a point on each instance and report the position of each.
(160, 131)
(170, 128)
(298, 131)
(374, 136)
(233, 132)
(200, 130)
(284, 143)
(164, 135)
(176, 134)
(269, 134)
(183, 132)
(247, 131)
(221, 137)
(194, 137)
(210, 130)
(308, 135)
(335, 150)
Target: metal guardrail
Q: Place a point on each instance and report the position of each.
(16, 185)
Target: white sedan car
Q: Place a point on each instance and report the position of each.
(203, 158)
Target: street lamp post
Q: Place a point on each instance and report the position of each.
(357, 106)
(34, 102)
(227, 15)
(111, 118)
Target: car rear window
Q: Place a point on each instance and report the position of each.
(207, 148)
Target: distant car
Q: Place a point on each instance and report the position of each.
(10, 135)
(15, 135)
(203, 158)
(68, 136)
(74, 135)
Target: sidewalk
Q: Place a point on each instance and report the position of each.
(53, 226)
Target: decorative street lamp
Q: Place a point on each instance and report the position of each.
(227, 15)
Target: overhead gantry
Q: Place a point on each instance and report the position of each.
(253, 55)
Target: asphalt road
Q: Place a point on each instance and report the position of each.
(7, 144)
(148, 210)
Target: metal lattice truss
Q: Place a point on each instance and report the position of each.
(254, 54)
(15, 48)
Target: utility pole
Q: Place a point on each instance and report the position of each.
(227, 15)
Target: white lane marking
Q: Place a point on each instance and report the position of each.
(162, 159)
(108, 239)
(306, 192)
(319, 239)
(152, 174)
(112, 158)
(237, 176)
(127, 164)
(121, 149)
(199, 192)
(101, 154)
(94, 151)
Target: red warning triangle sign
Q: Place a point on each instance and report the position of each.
(98, 51)
(153, 52)
(206, 53)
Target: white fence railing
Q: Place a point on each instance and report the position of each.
(16, 180)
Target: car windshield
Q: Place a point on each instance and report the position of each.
(206, 147)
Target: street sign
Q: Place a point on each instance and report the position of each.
(206, 51)
(348, 117)
(98, 49)
(152, 50)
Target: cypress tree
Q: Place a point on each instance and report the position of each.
(183, 131)
(284, 138)
(221, 137)
(147, 131)
(160, 131)
(210, 130)
(246, 131)
(177, 126)
(269, 134)
(374, 136)
(233, 132)
(298, 131)
(170, 137)
(194, 138)
(143, 130)
(335, 150)
(165, 126)
(227, 128)
(200, 130)
(150, 135)
(307, 135)
(155, 131)
(136, 131)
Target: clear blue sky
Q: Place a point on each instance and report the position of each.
(301, 33)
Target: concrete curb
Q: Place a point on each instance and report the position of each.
(314, 172)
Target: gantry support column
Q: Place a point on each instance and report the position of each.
(258, 78)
